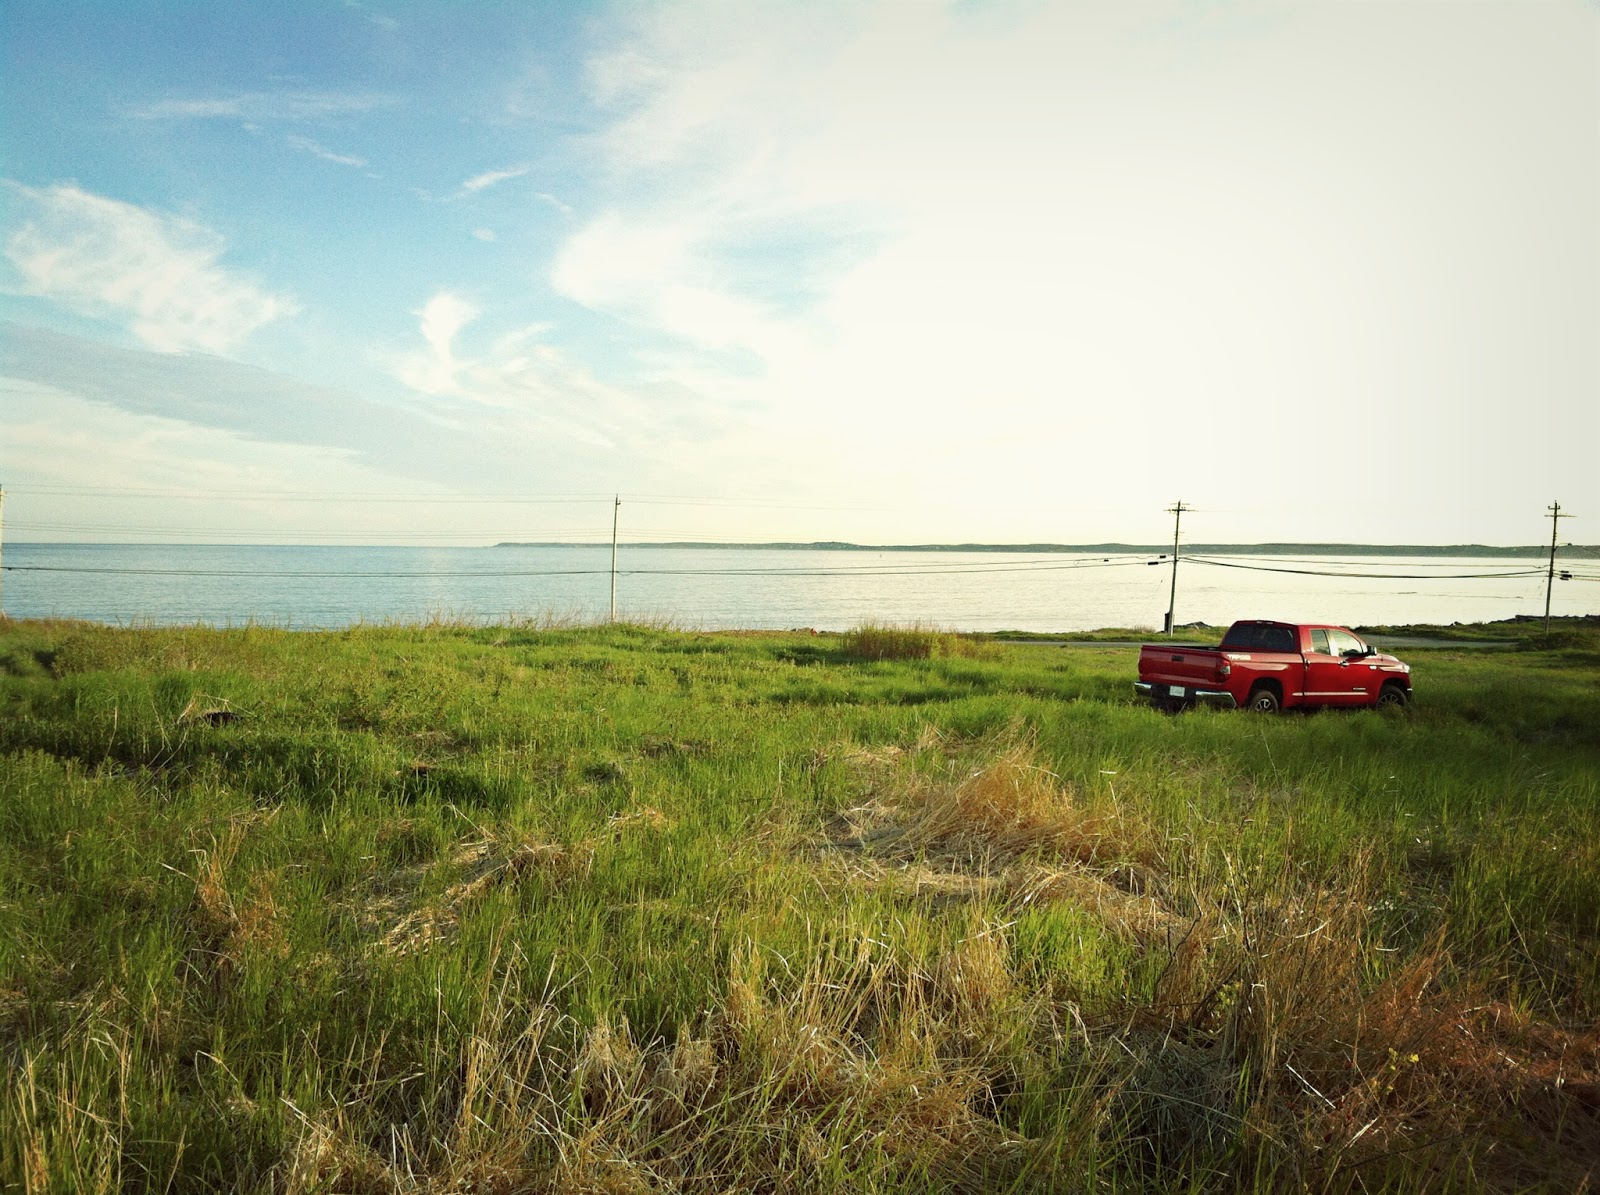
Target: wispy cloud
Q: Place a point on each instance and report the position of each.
(381, 20)
(268, 107)
(55, 432)
(441, 319)
(159, 273)
(522, 374)
(654, 273)
(264, 415)
(489, 178)
(316, 150)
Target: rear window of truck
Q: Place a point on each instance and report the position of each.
(1256, 637)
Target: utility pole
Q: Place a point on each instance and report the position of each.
(2, 536)
(1172, 602)
(1555, 516)
(616, 513)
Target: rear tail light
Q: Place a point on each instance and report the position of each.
(1225, 671)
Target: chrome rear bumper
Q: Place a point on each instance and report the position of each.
(1157, 692)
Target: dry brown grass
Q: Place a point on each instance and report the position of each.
(981, 812)
(401, 919)
(860, 1066)
(1276, 1017)
(1282, 1030)
(1126, 899)
(230, 925)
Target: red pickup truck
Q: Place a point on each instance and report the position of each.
(1270, 666)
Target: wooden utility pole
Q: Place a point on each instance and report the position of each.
(2, 537)
(616, 512)
(1555, 516)
(1172, 601)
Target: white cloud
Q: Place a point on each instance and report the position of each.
(489, 178)
(1064, 224)
(443, 316)
(484, 234)
(649, 273)
(316, 150)
(441, 319)
(268, 107)
(159, 273)
(619, 262)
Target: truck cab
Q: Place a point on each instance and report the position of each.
(1268, 666)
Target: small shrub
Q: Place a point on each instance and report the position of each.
(881, 641)
(875, 641)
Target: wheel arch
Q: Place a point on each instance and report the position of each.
(1400, 686)
(1266, 682)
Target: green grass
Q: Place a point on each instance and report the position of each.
(628, 909)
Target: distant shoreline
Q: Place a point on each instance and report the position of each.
(1566, 552)
(1462, 550)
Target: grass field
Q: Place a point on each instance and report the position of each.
(633, 910)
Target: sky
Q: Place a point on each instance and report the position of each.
(1009, 271)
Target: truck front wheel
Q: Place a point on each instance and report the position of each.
(1392, 697)
(1263, 700)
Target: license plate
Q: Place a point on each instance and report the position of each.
(1177, 691)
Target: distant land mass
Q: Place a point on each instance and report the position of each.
(1566, 551)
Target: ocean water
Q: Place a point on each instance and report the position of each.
(336, 586)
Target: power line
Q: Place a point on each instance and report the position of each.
(303, 535)
(841, 571)
(1335, 560)
(1313, 572)
(413, 499)
(351, 496)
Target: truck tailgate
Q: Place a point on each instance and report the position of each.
(1197, 666)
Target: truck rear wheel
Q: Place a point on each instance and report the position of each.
(1263, 700)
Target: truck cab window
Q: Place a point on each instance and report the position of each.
(1319, 641)
(1259, 637)
(1343, 644)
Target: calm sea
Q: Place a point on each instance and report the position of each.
(750, 588)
